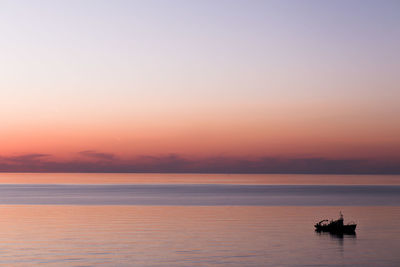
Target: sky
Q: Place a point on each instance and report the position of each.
(200, 86)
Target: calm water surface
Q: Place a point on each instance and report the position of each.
(196, 224)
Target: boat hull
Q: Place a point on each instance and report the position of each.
(337, 229)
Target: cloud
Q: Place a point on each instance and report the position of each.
(97, 155)
(24, 163)
(34, 157)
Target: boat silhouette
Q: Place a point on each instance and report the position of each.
(335, 226)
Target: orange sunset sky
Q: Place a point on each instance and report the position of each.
(200, 86)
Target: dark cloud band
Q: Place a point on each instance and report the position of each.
(93, 161)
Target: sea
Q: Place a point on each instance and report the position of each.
(74, 219)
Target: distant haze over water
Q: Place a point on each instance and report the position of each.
(202, 195)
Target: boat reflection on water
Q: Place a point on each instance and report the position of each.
(337, 235)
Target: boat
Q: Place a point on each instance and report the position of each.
(335, 227)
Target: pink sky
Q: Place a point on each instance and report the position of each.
(120, 82)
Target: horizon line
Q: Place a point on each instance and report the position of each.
(228, 173)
